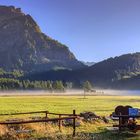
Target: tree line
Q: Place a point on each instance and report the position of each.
(11, 84)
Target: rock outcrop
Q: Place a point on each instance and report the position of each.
(24, 47)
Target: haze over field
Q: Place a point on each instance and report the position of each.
(76, 92)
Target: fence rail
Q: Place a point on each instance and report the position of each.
(60, 117)
(38, 112)
(24, 113)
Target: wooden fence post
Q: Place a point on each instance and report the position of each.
(74, 125)
(60, 124)
(46, 114)
(59, 120)
(120, 122)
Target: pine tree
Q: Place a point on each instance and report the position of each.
(87, 87)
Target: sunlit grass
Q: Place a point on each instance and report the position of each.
(101, 105)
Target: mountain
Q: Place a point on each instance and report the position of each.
(128, 83)
(112, 70)
(24, 47)
(117, 72)
(88, 63)
(118, 67)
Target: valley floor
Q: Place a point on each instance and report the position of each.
(101, 105)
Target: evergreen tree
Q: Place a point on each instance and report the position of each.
(87, 87)
(58, 86)
(49, 85)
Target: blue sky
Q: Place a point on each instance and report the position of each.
(93, 29)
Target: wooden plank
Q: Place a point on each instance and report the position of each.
(38, 112)
(37, 121)
(24, 113)
(61, 114)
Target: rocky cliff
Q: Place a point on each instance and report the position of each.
(24, 47)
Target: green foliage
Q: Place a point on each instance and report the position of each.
(49, 85)
(87, 86)
(58, 85)
(1, 71)
(9, 83)
(13, 80)
(69, 85)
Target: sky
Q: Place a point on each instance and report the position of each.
(93, 30)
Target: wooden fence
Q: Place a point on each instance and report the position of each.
(58, 119)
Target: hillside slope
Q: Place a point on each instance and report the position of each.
(111, 73)
(24, 47)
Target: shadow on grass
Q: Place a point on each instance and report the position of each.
(108, 135)
(105, 135)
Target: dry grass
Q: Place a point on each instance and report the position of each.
(46, 131)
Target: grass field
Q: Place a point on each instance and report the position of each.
(101, 105)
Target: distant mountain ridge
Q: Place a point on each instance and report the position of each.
(88, 63)
(24, 47)
(118, 67)
(117, 72)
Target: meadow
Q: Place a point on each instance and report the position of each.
(101, 105)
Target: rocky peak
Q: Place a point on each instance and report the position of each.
(9, 12)
(24, 47)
